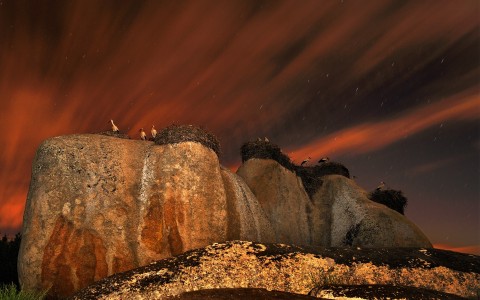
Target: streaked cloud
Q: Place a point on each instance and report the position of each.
(374, 136)
(239, 68)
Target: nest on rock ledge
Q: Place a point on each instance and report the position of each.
(311, 176)
(391, 198)
(266, 150)
(114, 134)
(175, 134)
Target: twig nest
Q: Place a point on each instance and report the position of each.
(175, 134)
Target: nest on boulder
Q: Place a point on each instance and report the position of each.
(175, 134)
(114, 134)
(391, 198)
(266, 150)
(331, 168)
(311, 181)
(311, 176)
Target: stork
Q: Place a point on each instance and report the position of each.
(153, 131)
(382, 186)
(305, 161)
(323, 160)
(114, 127)
(143, 135)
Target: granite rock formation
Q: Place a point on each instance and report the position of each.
(294, 269)
(98, 205)
(339, 213)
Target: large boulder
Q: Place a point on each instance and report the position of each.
(98, 205)
(246, 219)
(339, 213)
(284, 200)
(300, 270)
(357, 221)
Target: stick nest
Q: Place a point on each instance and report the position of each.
(175, 134)
(311, 176)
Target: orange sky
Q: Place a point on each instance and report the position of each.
(348, 79)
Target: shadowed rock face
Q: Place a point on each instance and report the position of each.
(295, 269)
(99, 205)
(239, 294)
(339, 213)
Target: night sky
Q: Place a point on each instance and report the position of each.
(391, 89)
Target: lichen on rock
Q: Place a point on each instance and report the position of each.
(294, 269)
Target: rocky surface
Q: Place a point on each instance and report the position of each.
(98, 205)
(239, 294)
(354, 220)
(380, 291)
(343, 292)
(339, 213)
(283, 199)
(294, 269)
(252, 225)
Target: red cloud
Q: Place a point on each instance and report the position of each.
(374, 136)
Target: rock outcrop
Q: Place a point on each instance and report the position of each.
(357, 221)
(99, 205)
(339, 213)
(293, 269)
(283, 199)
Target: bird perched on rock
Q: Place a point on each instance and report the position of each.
(305, 161)
(143, 135)
(114, 127)
(259, 139)
(382, 186)
(266, 140)
(153, 131)
(323, 160)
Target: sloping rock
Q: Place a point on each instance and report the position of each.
(98, 205)
(343, 292)
(292, 269)
(357, 221)
(379, 291)
(339, 213)
(246, 219)
(284, 200)
(240, 294)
